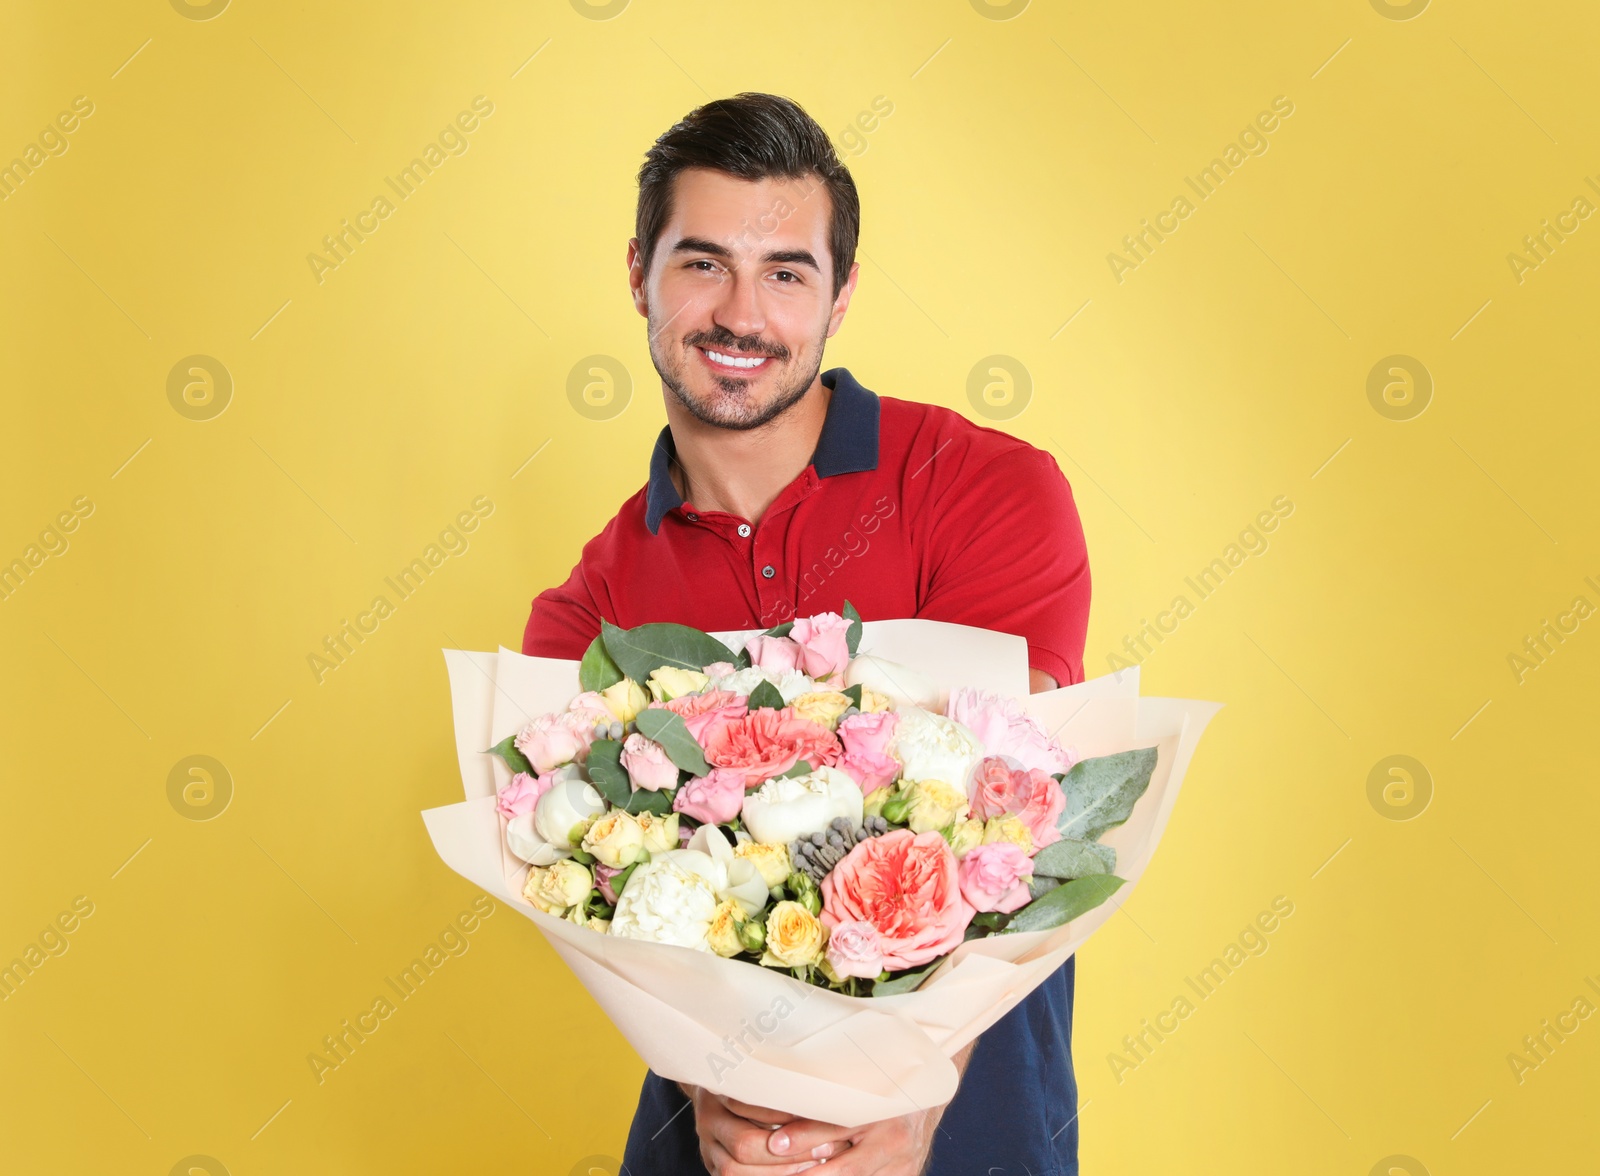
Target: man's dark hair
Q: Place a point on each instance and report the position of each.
(754, 137)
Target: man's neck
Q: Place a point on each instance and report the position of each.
(742, 471)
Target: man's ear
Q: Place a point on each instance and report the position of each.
(842, 302)
(636, 275)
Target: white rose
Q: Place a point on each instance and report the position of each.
(791, 684)
(933, 747)
(904, 686)
(788, 807)
(666, 902)
(523, 840)
(569, 805)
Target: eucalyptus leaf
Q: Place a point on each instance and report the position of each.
(640, 651)
(606, 773)
(1101, 792)
(801, 768)
(1041, 884)
(1065, 903)
(904, 982)
(766, 694)
(667, 728)
(1069, 858)
(779, 630)
(506, 749)
(852, 635)
(853, 693)
(643, 800)
(597, 671)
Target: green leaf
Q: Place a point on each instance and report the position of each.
(1041, 884)
(853, 693)
(1065, 903)
(993, 920)
(597, 671)
(667, 728)
(1068, 859)
(645, 801)
(766, 694)
(903, 981)
(640, 651)
(506, 749)
(606, 773)
(852, 635)
(1101, 792)
(801, 768)
(779, 630)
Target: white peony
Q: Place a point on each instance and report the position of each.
(791, 684)
(666, 901)
(523, 840)
(731, 876)
(568, 806)
(932, 747)
(902, 685)
(788, 807)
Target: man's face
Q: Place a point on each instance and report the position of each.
(739, 298)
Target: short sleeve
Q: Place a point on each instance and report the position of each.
(1006, 551)
(565, 619)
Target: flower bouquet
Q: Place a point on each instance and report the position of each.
(759, 849)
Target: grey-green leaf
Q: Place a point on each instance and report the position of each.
(597, 671)
(1065, 903)
(765, 694)
(640, 651)
(667, 728)
(905, 982)
(852, 635)
(1041, 884)
(606, 773)
(506, 749)
(643, 800)
(1069, 858)
(1101, 792)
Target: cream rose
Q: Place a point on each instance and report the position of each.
(965, 837)
(670, 682)
(624, 699)
(723, 933)
(821, 706)
(770, 861)
(933, 805)
(1009, 827)
(660, 833)
(795, 936)
(555, 888)
(616, 839)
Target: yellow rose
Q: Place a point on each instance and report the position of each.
(616, 839)
(934, 804)
(794, 936)
(554, 889)
(669, 682)
(723, 935)
(594, 923)
(1008, 828)
(625, 699)
(821, 706)
(872, 702)
(966, 836)
(771, 861)
(660, 833)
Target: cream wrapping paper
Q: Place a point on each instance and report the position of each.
(758, 1034)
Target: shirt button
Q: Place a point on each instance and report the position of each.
(692, 517)
(744, 530)
(769, 571)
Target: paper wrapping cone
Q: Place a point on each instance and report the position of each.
(758, 1034)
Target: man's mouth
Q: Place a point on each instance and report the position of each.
(726, 361)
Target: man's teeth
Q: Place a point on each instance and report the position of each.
(737, 361)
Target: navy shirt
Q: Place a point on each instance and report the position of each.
(906, 510)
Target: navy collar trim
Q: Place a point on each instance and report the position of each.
(848, 444)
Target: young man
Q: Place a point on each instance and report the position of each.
(777, 490)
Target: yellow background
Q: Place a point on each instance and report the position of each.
(372, 407)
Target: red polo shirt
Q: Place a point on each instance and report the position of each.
(906, 510)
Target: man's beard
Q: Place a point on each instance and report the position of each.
(730, 412)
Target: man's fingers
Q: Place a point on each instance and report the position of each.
(742, 1141)
(802, 1137)
(754, 1113)
(724, 1164)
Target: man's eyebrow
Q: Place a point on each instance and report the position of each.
(778, 256)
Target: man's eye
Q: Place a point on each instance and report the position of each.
(788, 273)
(702, 261)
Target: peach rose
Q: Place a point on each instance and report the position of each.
(765, 743)
(907, 886)
(1030, 794)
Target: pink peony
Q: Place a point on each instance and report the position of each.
(906, 885)
(647, 764)
(823, 639)
(778, 654)
(870, 771)
(855, 949)
(997, 788)
(994, 877)
(714, 799)
(1004, 728)
(517, 798)
(701, 712)
(555, 739)
(766, 743)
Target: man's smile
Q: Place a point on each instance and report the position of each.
(726, 362)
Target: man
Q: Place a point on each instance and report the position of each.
(777, 490)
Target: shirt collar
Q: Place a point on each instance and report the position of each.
(847, 444)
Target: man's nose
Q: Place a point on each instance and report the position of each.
(740, 311)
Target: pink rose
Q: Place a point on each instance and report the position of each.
(718, 670)
(765, 743)
(517, 798)
(994, 877)
(713, 799)
(647, 764)
(603, 874)
(706, 710)
(590, 702)
(554, 739)
(855, 949)
(778, 654)
(1004, 728)
(870, 771)
(869, 734)
(823, 638)
(906, 885)
(997, 788)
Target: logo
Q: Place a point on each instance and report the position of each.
(599, 387)
(1399, 387)
(999, 387)
(199, 387)
(1399, 788)
(199, 789)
